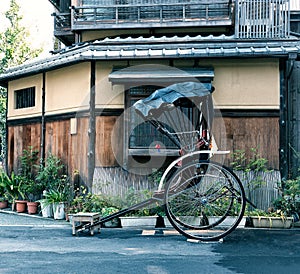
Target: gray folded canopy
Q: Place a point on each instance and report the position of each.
(182, 94)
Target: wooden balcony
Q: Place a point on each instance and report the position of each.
(151, 14)
(247, 19)
(62, 28)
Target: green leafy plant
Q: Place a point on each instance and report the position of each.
(28, 163)
(85, 201)
(252, 163)
(50, 174)
(12, 185)
(289, 200)
(263, 213)
(252, 166)
(27, 172)
(106, 211)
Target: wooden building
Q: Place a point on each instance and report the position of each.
(74, 102)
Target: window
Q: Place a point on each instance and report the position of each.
(142, 134)
(25, 98)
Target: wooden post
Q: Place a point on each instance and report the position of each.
(92, 127)
(294, 118)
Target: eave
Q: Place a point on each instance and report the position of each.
(157, 48)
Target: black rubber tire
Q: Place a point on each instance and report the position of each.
(201, 197)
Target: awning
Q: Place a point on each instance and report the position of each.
(151, 74)
(183, 92)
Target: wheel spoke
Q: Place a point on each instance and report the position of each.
(200, 197)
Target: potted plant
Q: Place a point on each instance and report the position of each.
(58, 197)
(14, 190)
(284, 210)
(46, 207)
(20, 201)
(49, 174)
(269, 219)
(32, 189)
(55, 185)
(288, 202)
(142, 217)
(3, 199)
(106, 211)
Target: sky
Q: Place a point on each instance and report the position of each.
(36, 18)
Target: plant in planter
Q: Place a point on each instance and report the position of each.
(3, 199)
(250, 170)
(106, 211)
(284, 210)
(289, 201)
(33, 191)
(14, 190)
(142, 217)
(27, 172)
(269, 219)
(50, 174)
(57, 199)
(56, 186)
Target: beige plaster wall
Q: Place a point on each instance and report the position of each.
(240, 84)
(247, 84)
(32, 81)
(294, 4)
(67, 89)
(243, 83)
(107, 95)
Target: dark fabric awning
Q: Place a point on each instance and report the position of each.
(155, 74)
(184, 93)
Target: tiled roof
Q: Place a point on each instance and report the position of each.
(156, 48)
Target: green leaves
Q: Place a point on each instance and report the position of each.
(15, 47)
(247, 163)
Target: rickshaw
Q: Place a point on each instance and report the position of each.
(203, 200)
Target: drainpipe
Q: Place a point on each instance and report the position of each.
(43, 125)
(6, 136)
(92, 128)
(286, 133)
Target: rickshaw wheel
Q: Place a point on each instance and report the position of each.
(204, 200)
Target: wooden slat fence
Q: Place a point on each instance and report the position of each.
(260, 187)
(115, 181)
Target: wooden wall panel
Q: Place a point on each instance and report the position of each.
(19, 138)
(57, 139)
(104, 152)
(244, 133)
(239, 133)
(78, 147)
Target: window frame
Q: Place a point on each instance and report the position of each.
(25, 98)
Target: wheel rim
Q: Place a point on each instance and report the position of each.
(204, 201)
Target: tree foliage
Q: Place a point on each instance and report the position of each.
(15, 49)
(14, 46)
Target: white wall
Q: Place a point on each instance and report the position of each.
(295, 5)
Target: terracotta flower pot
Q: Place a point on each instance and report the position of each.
(3, 204)
(32, 207)
(21, 206)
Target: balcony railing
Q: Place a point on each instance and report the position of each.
(62, 28)
(250, 19)
(262, 19)
(149, 13)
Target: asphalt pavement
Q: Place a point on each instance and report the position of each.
(12, 218)
(32, 244)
